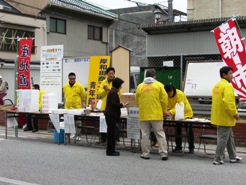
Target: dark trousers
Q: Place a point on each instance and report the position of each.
(190, 136)
(2, 95)
(111, 124)
(29, 122)
(117, 133)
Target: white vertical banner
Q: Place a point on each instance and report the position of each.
(56, 121)
(103, 125)
(133, 128)
(51, 70)
(69, 123)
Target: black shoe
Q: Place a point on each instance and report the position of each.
(191, 151)
(164, 157)
(35, 130)
(113, 154)
(27, 129)
(177, 149)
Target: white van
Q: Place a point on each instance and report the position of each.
(134, 78)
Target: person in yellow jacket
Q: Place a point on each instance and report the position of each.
(224, 114)
(105, 87)
(74, 93)
(152, 101)
(34, 126)
(177, 96)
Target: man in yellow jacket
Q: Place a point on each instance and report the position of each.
(177, 96)
(224, 114)
(152, 101)
(103, 90)
(74, 93)
(34, 126)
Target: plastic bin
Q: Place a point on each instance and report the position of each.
(61, 136)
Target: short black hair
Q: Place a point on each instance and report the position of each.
(150, 73)
(170, 88)
(225, 70)
(117, 82)
(36, 86)
(71, 74)
(110, 69)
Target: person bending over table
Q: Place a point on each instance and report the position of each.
(34, 126)
(112, 115)
(177, 96)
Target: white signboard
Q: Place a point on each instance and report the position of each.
(51, 70)
(80, 66)
(133, 128)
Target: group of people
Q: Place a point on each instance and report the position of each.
(155, 101)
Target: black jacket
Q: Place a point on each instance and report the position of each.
(113, 104)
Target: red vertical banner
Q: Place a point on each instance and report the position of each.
(232, 50)
(24, 57)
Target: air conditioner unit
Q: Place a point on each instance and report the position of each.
(6, 8)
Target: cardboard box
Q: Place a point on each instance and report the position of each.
(128, 98)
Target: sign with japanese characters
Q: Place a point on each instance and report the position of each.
(97, 73)
(51, 70)
(24, 57)
(232, 50)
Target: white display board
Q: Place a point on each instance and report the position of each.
(201, 77)
(51, 70)
(80, 66)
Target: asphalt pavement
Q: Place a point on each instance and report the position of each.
(34, 158)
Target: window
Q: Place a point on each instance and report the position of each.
(94, 33)
(8, 40)
(57, 25)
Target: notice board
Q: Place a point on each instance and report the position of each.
(201, 77)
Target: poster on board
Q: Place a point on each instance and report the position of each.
(51, 70)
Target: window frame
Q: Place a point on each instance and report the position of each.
(56, 25)
(93, 35)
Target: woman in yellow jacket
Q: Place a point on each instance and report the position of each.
(177, 96)
(224, 114)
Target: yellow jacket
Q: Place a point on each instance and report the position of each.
(178, 98)
(74, 96)
(104, 94)
(223, 104)
(152, 100)
(41, 93)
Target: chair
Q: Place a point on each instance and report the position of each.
(204, 137)
(171, 133)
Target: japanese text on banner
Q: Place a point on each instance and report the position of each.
(232, 50)
(24, 57)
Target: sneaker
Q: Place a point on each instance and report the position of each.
(218, 162)
(164, 157)
(237, 159)
(145, 157)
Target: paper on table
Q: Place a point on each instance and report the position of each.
(69, 123)
(103, 125)
(11, 122)
(56, 121)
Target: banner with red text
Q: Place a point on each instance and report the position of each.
(232, 50)
(24, 57)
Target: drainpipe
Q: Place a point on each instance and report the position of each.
(170, 10)
(220, 9)
(45, 34)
